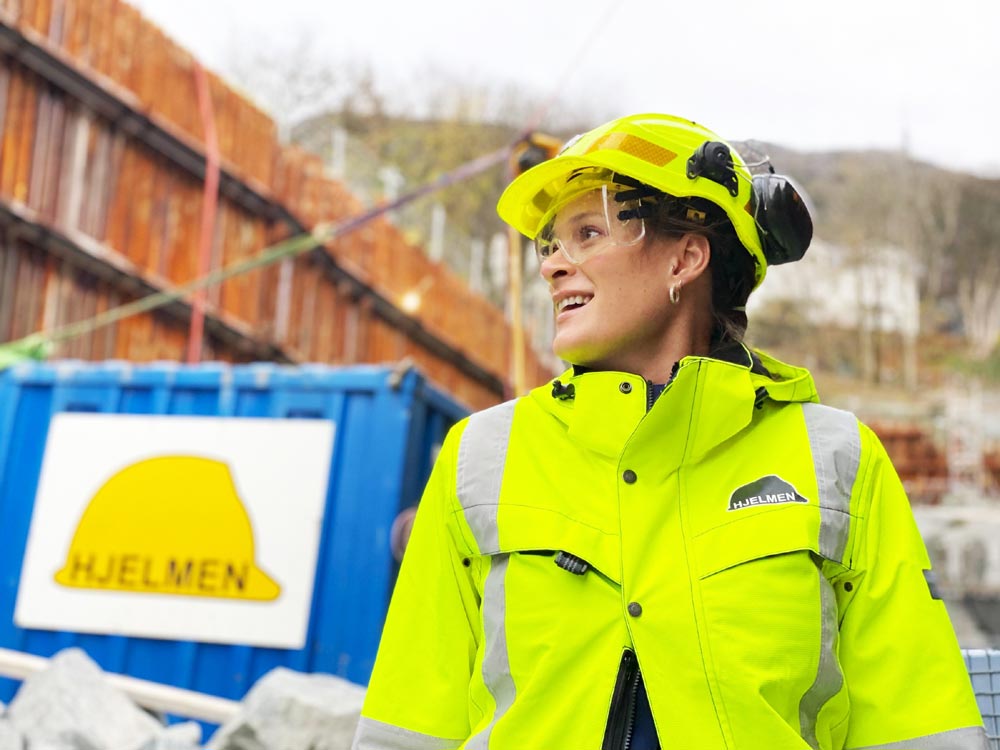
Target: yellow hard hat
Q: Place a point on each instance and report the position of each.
(673, 155)
(168, 525)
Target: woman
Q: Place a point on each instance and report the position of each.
(672, 543)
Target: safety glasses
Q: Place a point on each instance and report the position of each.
(587, 219)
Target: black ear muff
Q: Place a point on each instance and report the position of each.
(714, 161)
(783, 220)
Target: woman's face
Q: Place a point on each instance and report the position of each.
(612, 309)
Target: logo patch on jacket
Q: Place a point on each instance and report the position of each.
(769, 490)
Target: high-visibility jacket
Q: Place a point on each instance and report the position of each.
(750, 551)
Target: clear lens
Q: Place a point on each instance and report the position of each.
(587, 222)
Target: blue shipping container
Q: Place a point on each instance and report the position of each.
(388, 427)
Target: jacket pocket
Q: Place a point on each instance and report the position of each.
(765, 533)
(768, 614)
(531, 530)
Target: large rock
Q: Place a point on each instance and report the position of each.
(71, 740)
(289, 710)
(186, 736)
(10, 738)
(71, 705)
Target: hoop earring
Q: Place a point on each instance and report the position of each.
(675, 293)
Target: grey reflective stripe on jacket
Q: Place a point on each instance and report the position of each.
(835, 444)
(376, 735)
(969, 738)
(482, 455)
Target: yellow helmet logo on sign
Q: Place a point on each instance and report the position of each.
(168, 525)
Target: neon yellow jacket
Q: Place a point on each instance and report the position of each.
(752, 549)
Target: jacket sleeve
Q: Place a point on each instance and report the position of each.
(906, 678)
(417, 698)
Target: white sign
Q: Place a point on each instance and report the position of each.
(185, 528)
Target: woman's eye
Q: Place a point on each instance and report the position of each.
(587, 233)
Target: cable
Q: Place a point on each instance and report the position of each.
(39, 343)
(599, 26)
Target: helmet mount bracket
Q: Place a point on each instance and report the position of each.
(714, 161)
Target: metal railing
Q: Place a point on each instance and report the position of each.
(984, 669)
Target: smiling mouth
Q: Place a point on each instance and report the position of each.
(572, 303)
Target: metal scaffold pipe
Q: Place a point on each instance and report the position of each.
(150, 695)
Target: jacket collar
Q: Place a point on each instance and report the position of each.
(708, 400)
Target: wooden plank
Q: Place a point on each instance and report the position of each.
(307, 317)
(141, 214)
(224, 218)
(72, 187)
(87, 291)
(4, 92)
(59, 21)
(251, 312)
(148, 65)
(127, 53)
(120, 203)
(12, 129)
(54, 159)
(115, 157)
(98, 147)
(42, 16)
(13, 112)
(267, 288)
(186, 262)
(326, 321)
(75, 27)
(104, 39)
(106, 338)
(8, 278)
(12, 7)
(28, 291)
(40, 148)
(27, 14)
(25, 141)
(159, 229)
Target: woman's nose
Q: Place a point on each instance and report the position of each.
(555, 265)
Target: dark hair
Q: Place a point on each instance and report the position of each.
(732, 267)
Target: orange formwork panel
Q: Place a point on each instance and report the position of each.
(147, 77)
(102, 36)
(25, 13)
(61, 21)
(119, 202)
(25, 139)
(14, 88)
(48, 161)
(19, 135)
(159, 219)
(36, 14)
(141, 219)
(131, 56)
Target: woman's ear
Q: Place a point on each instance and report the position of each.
(693, 258)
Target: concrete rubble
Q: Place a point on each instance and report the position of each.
(72, 706)
(287, 710)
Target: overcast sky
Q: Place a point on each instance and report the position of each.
(807, 74)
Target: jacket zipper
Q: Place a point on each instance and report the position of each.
(621, 718)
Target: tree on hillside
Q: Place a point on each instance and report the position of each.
(975, 256)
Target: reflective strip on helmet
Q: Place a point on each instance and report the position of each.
(377, 735)
(835, 441)
(635, 146)
(969, 738)
(482, 454)
(829, 678)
